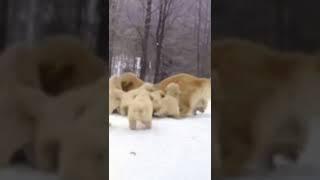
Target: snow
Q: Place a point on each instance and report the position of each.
(175, 150)
(171, 150)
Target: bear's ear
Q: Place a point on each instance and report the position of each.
(126, 86)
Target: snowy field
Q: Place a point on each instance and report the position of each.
(172, 150)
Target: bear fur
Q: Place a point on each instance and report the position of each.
(115, 96)
(58, 140)
(31, 79)
(169, 104)
(140, 110)
(128, 96)
(193, 89)
(156, 97)
(261, 99)
(129, 81)
(54, 64)
(18, 108)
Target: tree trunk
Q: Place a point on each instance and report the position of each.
(158, 43)
(112, 20)
(165, 6)
(198, 37)
(145, 40)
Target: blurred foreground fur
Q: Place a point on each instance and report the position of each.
(54, 64)
(72, 128)
(43, 99)
(263, 99)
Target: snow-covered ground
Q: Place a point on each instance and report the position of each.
(171, 150)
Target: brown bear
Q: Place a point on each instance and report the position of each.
(140, 110)
(193, 90)
(156, 97)
(128, 96)
(129, 81)
(201, 106)
(169, 104)
(115, 96)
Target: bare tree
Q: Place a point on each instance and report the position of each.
(145, 39)
(171, 33)
(116, 30)
(205, 39)
(198, 27)
(112, 10)
(164, 12)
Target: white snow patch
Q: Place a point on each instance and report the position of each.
(171, 150)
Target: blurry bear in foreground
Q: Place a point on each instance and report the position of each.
(31, 78)
(140, 109)
(70, 133)
(55, 64)
(263, 99)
